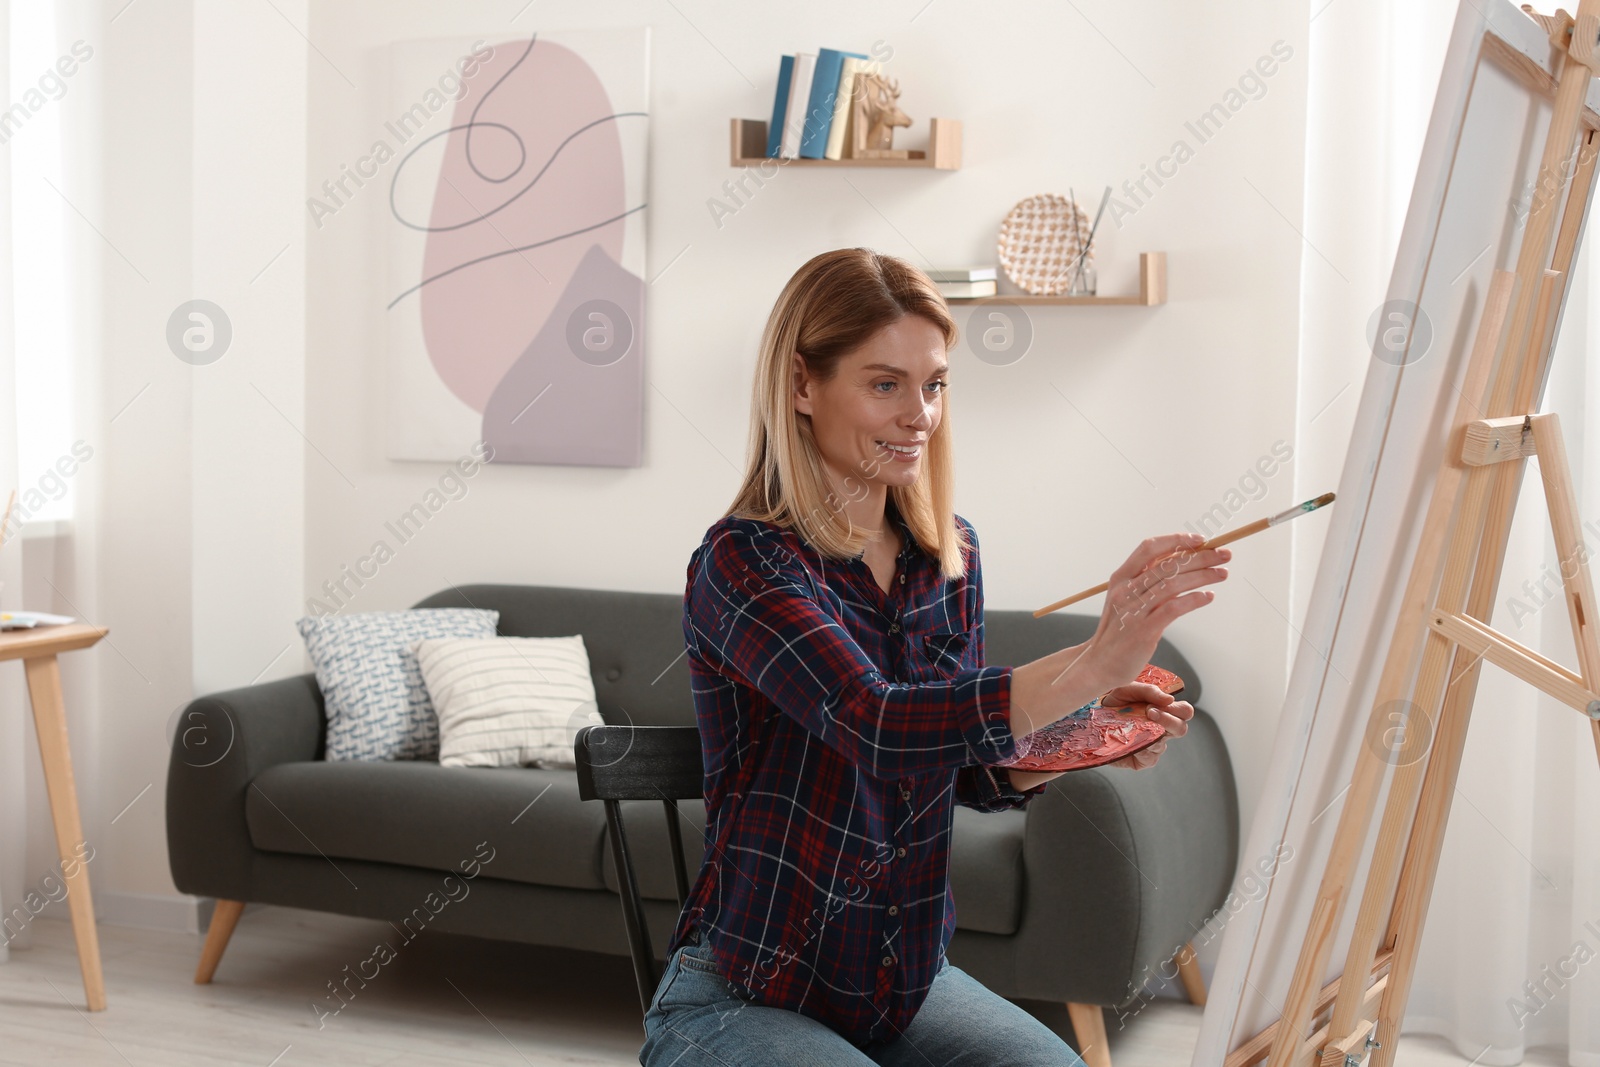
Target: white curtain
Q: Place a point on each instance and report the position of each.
(1511, 949)
(47, 281)
(13, 701)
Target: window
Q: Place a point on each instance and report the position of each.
(44, 328)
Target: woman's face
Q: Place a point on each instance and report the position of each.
(872, 420)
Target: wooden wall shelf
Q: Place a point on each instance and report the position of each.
(1152, 289)
(748, 148)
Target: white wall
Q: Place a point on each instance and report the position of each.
(215, 523)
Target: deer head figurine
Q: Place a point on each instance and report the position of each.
(876, 112)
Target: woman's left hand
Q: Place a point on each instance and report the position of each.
(1159, 706)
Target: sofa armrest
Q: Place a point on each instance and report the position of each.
(221, 743)
(1123, 867)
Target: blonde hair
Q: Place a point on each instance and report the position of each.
(832, 305)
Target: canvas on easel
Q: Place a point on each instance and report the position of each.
(1459, 311)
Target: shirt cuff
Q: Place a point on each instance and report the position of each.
(995, 791)
(992, 740)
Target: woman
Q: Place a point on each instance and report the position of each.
(834, 624)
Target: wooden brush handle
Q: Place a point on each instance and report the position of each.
(1215, 542)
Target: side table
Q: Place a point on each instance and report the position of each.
(37, 649)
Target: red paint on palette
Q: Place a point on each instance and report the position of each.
(1095, 735)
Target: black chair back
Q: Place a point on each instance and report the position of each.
(617, 763)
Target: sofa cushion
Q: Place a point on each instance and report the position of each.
(376, 701)
(420, 814)
(985, 859)
(509, 701)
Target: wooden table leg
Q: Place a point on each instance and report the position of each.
(50, 721)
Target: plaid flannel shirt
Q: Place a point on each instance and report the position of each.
(839, 726)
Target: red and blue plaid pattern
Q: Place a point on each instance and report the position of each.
(840, 725)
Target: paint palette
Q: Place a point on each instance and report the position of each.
(1094, 735)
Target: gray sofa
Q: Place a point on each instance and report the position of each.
(1080, 898)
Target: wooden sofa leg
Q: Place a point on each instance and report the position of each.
(224, 917)
(1189, 973)
(1089, 1024)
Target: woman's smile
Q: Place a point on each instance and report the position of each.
(901, 451)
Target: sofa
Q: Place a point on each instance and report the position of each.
(1083, 897)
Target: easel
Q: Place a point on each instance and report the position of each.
(1439, 640)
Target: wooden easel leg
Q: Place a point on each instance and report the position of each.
(1418, 872)
(1194, 986)
(1572, 553)
(1089, 1024)
(224, 917)
(1570, 549)
(1417, 875)
(1410, 642)
(1473, 560)
(1421, 863)
(1422, 859)
(50, 722)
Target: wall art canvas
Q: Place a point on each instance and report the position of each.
(515, 236)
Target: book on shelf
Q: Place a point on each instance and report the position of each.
(811, 109)
(805, 65)
(780, 107)
(964, 274)
(843, 123)
(950, 289)
(821, 113)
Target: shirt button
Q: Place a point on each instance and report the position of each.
(894, 627)
(905, 794)
(902, 579)
(894, 909)
(901, 851)
(888, 961)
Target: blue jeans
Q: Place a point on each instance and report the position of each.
(695, 1019)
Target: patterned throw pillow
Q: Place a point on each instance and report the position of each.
(509, 701)
(378, 707)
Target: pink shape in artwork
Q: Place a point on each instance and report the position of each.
(510, 179)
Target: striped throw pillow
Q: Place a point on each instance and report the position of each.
(509, 701)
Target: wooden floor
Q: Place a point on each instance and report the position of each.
(442, 1000)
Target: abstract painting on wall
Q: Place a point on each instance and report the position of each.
(515, 239)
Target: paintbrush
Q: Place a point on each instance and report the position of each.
(1215, 542)
(1077, 234)
(1077, 268)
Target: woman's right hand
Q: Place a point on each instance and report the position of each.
(1160, 581)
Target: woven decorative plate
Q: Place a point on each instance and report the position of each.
(1094, 735)
(1039, 243)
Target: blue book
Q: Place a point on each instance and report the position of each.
(819, 112)
(780, 107)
